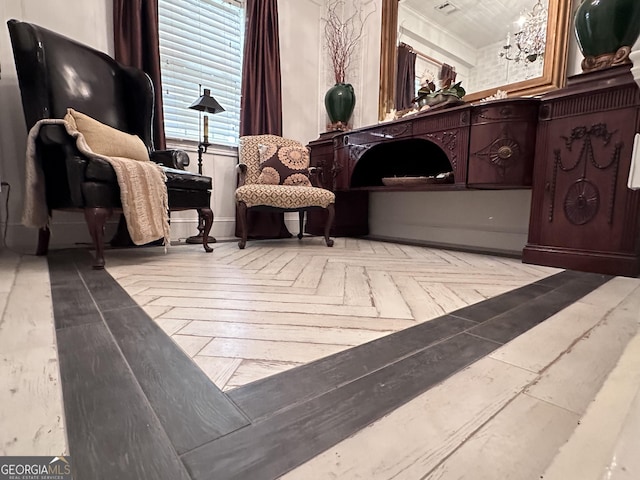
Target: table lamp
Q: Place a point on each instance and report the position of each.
(207, 104)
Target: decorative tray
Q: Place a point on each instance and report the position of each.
(437, 179)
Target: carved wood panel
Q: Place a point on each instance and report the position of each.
(585, 156)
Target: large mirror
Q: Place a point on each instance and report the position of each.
(482, 41)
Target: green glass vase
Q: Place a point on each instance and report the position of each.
(604, 26)
(340, 100)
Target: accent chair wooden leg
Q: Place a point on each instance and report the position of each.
(301, 219)
(96, 219)
(242, 216)
(43, 241)
(327, 228)
(206, 214)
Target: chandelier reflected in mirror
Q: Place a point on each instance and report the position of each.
(529, 42)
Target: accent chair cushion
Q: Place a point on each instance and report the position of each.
(284, 196)
(284, 165)
(250, 155)
(105, 140)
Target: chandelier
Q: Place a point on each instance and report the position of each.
(530, 40)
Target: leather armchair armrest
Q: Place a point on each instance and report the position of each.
(54, 135)
(177, 159)
(241, 169)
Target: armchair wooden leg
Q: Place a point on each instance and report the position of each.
(43, 241)
(327, 228)
(242, 216)
(96, 218)
(301, 219)
(206, 214)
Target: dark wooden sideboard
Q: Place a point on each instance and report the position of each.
(583, 216)
(487, 146)
(572, 146)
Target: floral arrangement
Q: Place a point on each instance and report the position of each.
(428, 88)
(342, 34)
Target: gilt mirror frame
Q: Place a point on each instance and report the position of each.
(553, 74)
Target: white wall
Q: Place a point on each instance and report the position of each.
(301, 60)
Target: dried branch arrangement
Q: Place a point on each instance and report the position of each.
(342, 34)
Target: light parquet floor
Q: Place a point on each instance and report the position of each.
(243, 315)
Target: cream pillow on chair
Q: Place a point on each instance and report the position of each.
(105, 140)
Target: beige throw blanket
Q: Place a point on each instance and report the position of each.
(143, 192)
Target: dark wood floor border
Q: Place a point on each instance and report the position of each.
(272, 394)
(112, 430)
(272, 447)
(187, 407)
(72, 304)
(192, 410)
(507, 326)
(295, 415)
(307, 428)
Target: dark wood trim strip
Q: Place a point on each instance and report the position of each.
(270, 448)
(112, 430)
(192, 410)
(189, 407)
(269, 395)
(272, 394)
(507, 326)
(72, 303)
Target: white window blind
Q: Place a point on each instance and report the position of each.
(201, 44)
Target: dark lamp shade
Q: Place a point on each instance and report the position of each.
(206, 103)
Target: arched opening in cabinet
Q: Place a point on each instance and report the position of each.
(403, 158)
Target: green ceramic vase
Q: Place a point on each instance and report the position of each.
(340, 101)
(603, 26)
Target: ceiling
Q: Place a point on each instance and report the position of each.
(478, 23)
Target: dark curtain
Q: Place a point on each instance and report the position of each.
(261, 107)
(447, 76)
(405, 77)
(136, 42)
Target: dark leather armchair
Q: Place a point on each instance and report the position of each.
(56, 73)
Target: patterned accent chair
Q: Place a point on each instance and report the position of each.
(281, 198)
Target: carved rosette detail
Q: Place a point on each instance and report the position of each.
(501, 153)
(581, 202)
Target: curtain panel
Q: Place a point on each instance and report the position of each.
(447, 75)
(261, 105)
(406, 77)
(136, 42)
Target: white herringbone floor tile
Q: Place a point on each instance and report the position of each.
(247, 314)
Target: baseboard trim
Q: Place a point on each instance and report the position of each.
(446, 246)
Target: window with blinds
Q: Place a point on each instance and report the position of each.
(201, 47)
